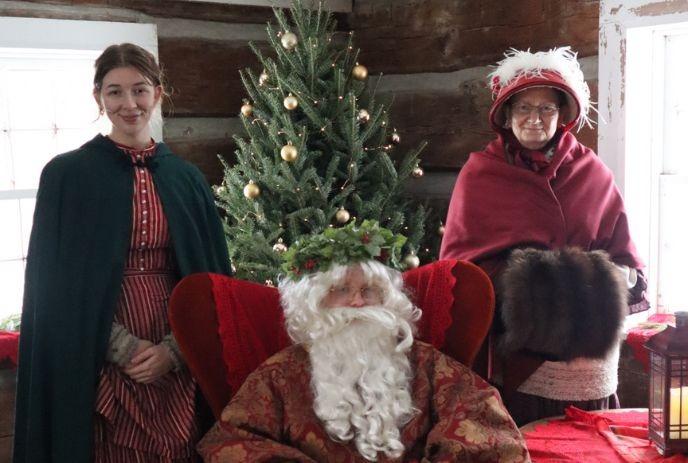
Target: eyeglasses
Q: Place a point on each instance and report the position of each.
(523, 109)
(368, 293)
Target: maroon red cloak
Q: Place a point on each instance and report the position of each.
(497, 206)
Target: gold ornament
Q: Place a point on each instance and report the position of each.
(247, 109)
(279, 246)
(359, 72)
(396, 139)
(251, 190)
(289, 152)
(263, 78)
(290, 102)
(289, 40)
(342, 216)
(363, 116)
(411, 260)
(417, 172)
(440, 230)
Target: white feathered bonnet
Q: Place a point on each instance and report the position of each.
(557, 68)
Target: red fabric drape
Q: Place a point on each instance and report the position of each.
(251, 325)
(432, 290)
(9, 346)
(639, 335)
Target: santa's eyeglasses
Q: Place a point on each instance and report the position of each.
(367, 293)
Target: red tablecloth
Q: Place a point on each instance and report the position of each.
(9, 346)
(601, 437)
(638, 336)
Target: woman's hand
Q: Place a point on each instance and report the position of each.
(140, 347)
(150, 363)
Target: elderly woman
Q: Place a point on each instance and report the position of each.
(540, 213)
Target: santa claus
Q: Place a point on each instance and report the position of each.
(356, 386)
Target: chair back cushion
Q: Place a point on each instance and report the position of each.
(227, 327)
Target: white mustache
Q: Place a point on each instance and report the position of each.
(341, 317)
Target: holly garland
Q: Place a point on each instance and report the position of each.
(345, 245)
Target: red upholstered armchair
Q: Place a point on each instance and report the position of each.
(227, 327)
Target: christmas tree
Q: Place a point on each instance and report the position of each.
(317, 151)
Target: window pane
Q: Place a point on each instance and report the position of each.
(673, 245)
(4, 111)
(71, 139)
(675, 104)
(75, 106)
(31, 150)
(11, 287)
(26, 207)
(6, 169)
(32, 103)
(10, 232)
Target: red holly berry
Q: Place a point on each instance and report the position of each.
(384, 255)
(365, 239)
(310, 264)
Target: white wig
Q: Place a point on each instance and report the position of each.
(361, 372)
(301, 299)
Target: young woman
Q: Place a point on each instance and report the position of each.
(117, 223)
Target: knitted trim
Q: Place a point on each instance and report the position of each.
(578, 380)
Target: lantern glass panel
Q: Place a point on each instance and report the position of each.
(657, 368)
(678, 399)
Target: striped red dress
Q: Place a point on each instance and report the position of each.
(137, 422)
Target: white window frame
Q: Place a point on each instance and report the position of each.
(623, 144)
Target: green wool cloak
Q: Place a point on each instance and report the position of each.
(79, 242)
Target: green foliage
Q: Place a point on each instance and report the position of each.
(350, 243)
(11, 323)
(343, 161)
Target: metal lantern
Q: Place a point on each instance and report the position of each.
(668, 406)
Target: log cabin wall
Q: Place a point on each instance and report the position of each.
(435, 56)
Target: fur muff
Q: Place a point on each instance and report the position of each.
(562, 304)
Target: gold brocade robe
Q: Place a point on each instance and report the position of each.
(271, 418)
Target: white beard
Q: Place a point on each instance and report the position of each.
(361, 378)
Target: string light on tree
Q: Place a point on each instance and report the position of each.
(395, 137)
(440, 229)
(251, 190)
(359, 72)
(290, 102)
(342, 216)
(247, 109)
(263, 78)
(289, 152)
(269, 283)
(417, 172)
(289, 40)
(220, 190)
(363, 116)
